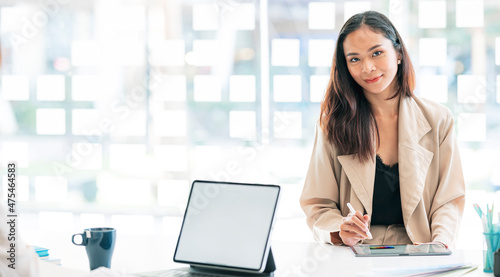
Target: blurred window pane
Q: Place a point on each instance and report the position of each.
(354, 7)
(168, 87)
(167, 52)
(207, 88)
(133, 125)
(50, 121)
(127, 157)
(288, 125)
(432, 51)
(91, 220)
(242, 88)
(15, 87)
(285, 52)
(87, 155)
(51, 189)
(11, 19)
(287, 88)
(471, 126)
(239, 17)
(321, 52)
(130, 18)
(471, 89)
(132, 191)
(319, 84)
(170, 123)
(432, 14)
(205, 17)
(242, 124)
(470, 13)
(498, 88)
(171, 157)
(125, 52)
(434, 87)
(497, 51)
(15, 151)
(86, 121)
(86, 53)
(206, 52)
(321, 16)
(173, 193)
(128, 224)
(86, 88)
(51, 221)
(50, 88)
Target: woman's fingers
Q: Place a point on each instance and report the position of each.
(363, 218)
(367, 218)
(348, 237)
(350, 227)
(355, 225)
(360, 222)
(354, 229)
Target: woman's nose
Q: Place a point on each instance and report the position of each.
(368, 67)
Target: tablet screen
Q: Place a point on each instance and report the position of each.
(367, 250)
(227, 225)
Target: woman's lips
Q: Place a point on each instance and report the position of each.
(373, 80)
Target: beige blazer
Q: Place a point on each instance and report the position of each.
(430, 172)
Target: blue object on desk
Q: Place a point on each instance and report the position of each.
(492, 244)
(478, 209)
(41, 251)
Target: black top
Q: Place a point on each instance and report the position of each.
(386, 195)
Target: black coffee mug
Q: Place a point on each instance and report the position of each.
(496, 263)
(99, 243)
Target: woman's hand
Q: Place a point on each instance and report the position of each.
(354, 228)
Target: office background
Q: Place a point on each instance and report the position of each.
(111, 108)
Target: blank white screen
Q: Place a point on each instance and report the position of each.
(227, 224)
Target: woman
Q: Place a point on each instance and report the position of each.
(391, 155)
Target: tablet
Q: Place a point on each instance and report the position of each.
(367, 250)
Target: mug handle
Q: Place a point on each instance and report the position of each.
(84, 239)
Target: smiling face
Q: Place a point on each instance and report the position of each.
(372, 61)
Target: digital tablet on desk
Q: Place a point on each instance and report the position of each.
(367, 250)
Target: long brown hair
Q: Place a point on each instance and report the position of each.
(346, 116)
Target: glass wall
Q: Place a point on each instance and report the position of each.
(112, 108)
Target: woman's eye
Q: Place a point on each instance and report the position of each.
(377, 53)
(354, 60)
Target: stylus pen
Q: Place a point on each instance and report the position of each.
(352, 210)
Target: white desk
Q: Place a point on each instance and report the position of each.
(314, 259)
(153, 252)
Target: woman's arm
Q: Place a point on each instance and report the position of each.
(320, 195)
(448, 202)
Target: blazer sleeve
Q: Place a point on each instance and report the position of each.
(449, 199)
(320, 195)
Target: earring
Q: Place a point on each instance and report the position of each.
(399, 61)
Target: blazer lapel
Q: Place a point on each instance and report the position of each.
(413, 158)
(361, 176)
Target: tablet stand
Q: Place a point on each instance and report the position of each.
(268, 271)
(270, 265)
